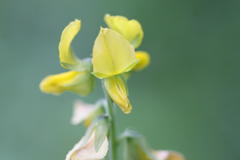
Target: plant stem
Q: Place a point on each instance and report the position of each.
(112, 133)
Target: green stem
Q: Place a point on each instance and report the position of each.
(112, 132)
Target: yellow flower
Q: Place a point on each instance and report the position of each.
(66, 55)
(117, 90)
(73, 81)
(130, 29)
(144, 60)
(112, 54)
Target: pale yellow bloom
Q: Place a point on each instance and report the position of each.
(117, 90)
(86, 150)
(84, 112)
(73, 81)
(168, 155)
(112, 54)
(143, 60)
(130, 29)
(66, 55)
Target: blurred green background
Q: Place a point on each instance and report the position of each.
(187, 100)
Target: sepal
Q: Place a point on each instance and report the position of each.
(135, 147)
(101, 127)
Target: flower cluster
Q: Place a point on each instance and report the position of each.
(114, 58)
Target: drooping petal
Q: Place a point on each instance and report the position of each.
(143, 60)
(86, 150)
(168, 155)
(130, 29)
(83, 112)
(117, 90)
(66, 55)
(78, 82)
(112, 54)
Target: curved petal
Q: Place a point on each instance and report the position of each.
(130, 29)
(78, 82)
(117, 90)
(66, 55)
(112, 54)
(87, 151)
(143, 60)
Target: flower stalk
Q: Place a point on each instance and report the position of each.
(114, 60)
(112, 131)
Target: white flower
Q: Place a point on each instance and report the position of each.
(85, 112)
(85, 149)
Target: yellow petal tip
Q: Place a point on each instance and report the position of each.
(143, 60)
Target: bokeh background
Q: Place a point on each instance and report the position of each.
(187, 100)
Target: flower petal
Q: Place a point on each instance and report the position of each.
(112, 54)
(81, 112)
(168, 155)
(144, 60)
(78, 82)
(130, 29)
(87, 151)
(66, 55)
(117, 90)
